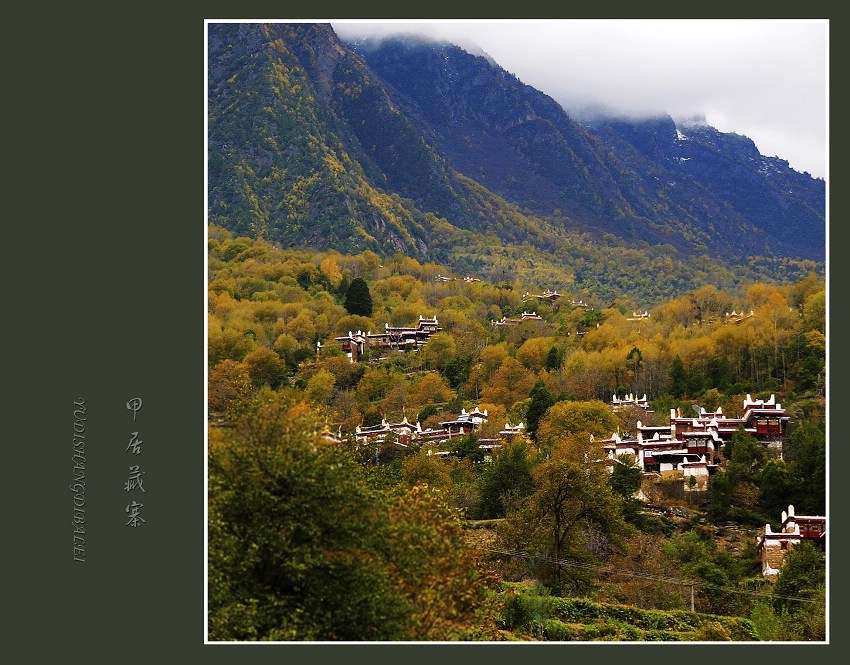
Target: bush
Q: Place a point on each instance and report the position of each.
(600, 630)
(518, 614)
(579, 619)
(662, 636)
(653, 524)
(575, 610)
(557, 631)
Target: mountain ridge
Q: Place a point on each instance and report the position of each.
(567, 165)
(403, 147)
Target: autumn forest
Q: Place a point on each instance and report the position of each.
(313, 536)
(436, 301)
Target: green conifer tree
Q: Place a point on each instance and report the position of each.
(358, 300)
(541, 400)
(678, 378)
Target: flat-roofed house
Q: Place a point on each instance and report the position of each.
(774, 545)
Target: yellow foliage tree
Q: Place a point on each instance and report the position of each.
(511, 383)
(228, 382)
(573, 418)
(445, 579)
(533, 352)
(431, 388)
(492, 358)
(320, 386)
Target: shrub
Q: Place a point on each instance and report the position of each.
(518, 614)
(557, 631)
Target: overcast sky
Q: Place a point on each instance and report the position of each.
(766, 79)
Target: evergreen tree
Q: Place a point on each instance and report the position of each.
(541, 400)
(805, 452)
(553, 359)
(678, 377)
(506, 481)
(803, 573)
(776, 487)
(634, 360)
(736, 494)
(457, 369)
(467, 447)
(358, 300)
(626, 476)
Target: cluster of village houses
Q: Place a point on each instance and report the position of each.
(405, 338)
(693, 444)
(404, 434)
(400, 338)
(689, 447)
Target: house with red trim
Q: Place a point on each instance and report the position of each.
(550, 296)
(407, 433)
(401, 338)
(762, 419)
(774, 545)
(526, 316)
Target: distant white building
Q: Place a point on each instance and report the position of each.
(631, 400)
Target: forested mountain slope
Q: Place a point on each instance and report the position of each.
(426, 150)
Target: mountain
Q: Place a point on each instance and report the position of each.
(421, 147)
(283, 160)
(692, 186)
(765, 205)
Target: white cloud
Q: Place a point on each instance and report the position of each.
(765, 78)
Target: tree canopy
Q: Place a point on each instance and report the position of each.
(358, 299)
(298, 516)
(571, 519)
(303, 547)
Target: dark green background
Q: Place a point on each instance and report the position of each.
(103, 245)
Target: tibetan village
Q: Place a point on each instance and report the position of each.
(493, 363)
(659, 440)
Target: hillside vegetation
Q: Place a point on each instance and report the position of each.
(355, 187)
(428, 151)
(394, 536)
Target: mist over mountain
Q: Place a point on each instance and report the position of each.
(418, 146)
